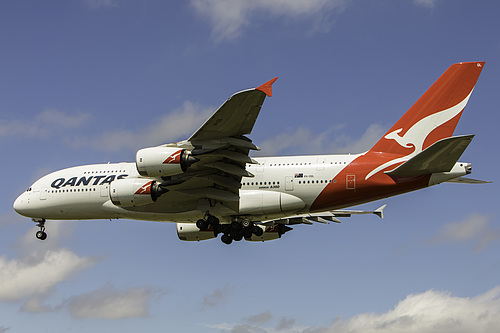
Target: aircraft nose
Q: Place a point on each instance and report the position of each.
(20, 205)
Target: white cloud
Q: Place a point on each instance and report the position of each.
(425, 3)
(46, 122)
(35, 275)
(180, 123)
(428, 312)
(286, 325)
(217, 297)
(431, 312)
(109, 302)
(36, 304)
(229, 17)
(30, 247)
(62, 119)
(260, 318)
(304, 141)
(97, 4)
(39, 268)
(475, 228)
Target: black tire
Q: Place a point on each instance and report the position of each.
(224, 228)
(246, 223)
(202, 224)
(237, 237)
(226, 239)
(247, 232)
(41, 235)
(212, 220)
(257, 231)
(235, 225)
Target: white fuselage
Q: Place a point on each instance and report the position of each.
(82, 192)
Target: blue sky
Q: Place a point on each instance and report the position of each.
(92, 81)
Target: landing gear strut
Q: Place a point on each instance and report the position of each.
(41, 234)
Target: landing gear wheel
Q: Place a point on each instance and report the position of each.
(247, 232)
(246, 223)
(202, 224)
(237, 237)
(236, 226)
(257, 231)
(226, 239)
(212, 220)
(224, 228)
(41, 235)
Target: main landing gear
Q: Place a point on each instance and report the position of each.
(236, 230)
(41, 234)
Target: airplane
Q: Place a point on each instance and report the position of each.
(210, 186)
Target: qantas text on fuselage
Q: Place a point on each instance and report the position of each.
(85, 181)
(209, 185)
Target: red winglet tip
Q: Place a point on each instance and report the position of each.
(267, 88)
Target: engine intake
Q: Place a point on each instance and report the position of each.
(163, 161)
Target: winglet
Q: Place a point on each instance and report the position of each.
(266, 88)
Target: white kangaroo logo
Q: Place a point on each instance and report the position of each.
(417, 134)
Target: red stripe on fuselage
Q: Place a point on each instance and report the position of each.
(341, 192)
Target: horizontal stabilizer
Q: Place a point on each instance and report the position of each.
(464, 180)
(439, 157)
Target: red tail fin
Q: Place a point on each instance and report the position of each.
(435, 115)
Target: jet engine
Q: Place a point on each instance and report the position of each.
(163, 161)
(130, 192)
(190, 232)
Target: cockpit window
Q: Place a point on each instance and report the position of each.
(28, 190)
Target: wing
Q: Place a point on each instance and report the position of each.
(235, 117)
(324, 217)
(222, 149)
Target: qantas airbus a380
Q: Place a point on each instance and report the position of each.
(209, 185)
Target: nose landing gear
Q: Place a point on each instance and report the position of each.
(41, 234)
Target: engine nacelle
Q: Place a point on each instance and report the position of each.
(270, 233)
(190, 232)
(163, 161)
(258, 202)
(130, 192)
